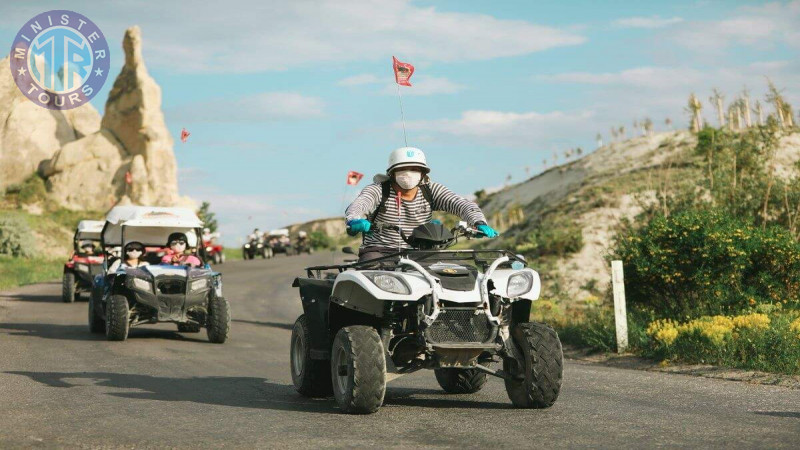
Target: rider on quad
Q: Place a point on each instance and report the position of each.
(407, 197)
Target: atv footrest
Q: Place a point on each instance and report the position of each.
(465, 345)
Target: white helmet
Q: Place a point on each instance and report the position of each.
(407, 157)
(301, 234)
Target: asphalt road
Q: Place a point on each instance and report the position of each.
(61, 386)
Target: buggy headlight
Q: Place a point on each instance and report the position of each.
(198, 285)
(389, 283)
(82, 268)
(246, 245)
(518, 284)
(142, 285)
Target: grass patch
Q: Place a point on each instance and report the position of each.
(21, 271)
(232, 253)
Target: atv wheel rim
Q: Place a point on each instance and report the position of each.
(341, 375)
(298, 354)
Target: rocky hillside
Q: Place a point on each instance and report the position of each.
(592, 195)
(84, 158)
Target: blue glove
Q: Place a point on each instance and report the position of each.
(436, 222)
(488, 231)
(358, 226)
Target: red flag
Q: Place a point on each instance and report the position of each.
(128, 177)
(184, 135)
(402, 72)
(354, 177)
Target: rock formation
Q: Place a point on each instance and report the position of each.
(30, 133)
(89, 173)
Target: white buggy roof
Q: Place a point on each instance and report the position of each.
(89, 230)
(150, 225)
(279, 232)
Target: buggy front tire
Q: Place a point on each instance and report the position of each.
(541, 369)
(358, 370)
(219, 320)
(68, 287)
(117, 318)
(460, 381)
(311, 378)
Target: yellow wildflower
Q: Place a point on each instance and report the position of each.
(755, 321)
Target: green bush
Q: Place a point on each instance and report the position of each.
(556, 235)
(32, 190)
(15, 237)
(320, 240)
(705, 262)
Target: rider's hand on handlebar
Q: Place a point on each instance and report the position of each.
(358, 226)
(487, 230)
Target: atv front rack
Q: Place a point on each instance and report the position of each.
(392, 260)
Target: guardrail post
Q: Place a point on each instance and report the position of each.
(620, 313)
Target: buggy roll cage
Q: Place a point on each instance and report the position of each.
(418, 255)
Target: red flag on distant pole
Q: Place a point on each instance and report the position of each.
(402, 72)
(354, 177)
(128, 177)
(184, 135)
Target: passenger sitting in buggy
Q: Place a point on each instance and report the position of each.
(134, 257)
(176, 255)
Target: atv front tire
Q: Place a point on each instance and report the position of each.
(460, 381)
(188, 328)
(358, 369)
(68, 287)
(541, 369)
(311, 378)
(96, 322)
(117, 318)
(219, 320)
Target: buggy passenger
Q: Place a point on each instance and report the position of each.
(134, 253)
(176, 255)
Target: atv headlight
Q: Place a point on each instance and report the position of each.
(208, 249)
(142, 285)
(198, 285)
(82, 268)
(246, 245)
(389, 283)
(518, 284)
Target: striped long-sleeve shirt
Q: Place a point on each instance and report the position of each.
(412, 214)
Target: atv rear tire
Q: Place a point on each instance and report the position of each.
(117, 318)
(460, 381)
(68, 287)
(358, 370)
(188, 328)
(96, 322)
(542, 367)
(219, 320)
(311, 378)
(216, 258)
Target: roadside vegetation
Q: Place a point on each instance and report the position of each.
(712, 267)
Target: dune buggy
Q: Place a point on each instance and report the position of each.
(82, 267)
(458, 312)
(189, 296)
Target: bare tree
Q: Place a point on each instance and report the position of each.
(599, 139)
(614, 133)
(760, 112)
(622, 131)
(717, 100)
(668, 123)
(694, 107)
(647, 125)
(579, 151)
(774, 96)
(748, 120)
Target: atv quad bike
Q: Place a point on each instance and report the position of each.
(80, 270)
(188, 296)
(457, 312)
(214, 252)
(255, 247)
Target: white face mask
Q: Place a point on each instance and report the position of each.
(408, 179)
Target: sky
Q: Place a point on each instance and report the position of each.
(283, 98)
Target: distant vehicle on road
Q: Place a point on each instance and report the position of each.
(86, 260)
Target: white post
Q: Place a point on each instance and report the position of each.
(620, 314)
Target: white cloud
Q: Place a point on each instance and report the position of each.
(526, 129)
(763, 26)
(261, 107)
(256, 35)
(647, 22)
(426, 86)
(651, 77)
(357, 80)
